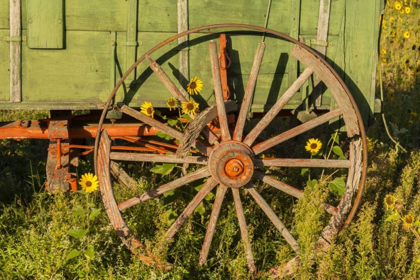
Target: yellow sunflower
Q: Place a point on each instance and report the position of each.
(408, 221)
(407, 35)
(413, 114)
(171, 103)
(89, 182)
(397, 5)
(407, 10)
(195, 86)
(383, 51)
(410, 122)
(313, 145)
(147, 109)
(190, 107)
(391, 19)
(389, 202)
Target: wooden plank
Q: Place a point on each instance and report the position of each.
(211, 226)
(249, 93)
(272, 113)
(295, 16)
(131, 43)
(192, 177)
(322, 35)
(207, 187)
(56, 178)
(112, 58)
(184, 63)
(274, 219)
(45, 24)
(218, 92)
(156, 158)
(15, 51)
(244, 230)
(337, 90)
(282, 137)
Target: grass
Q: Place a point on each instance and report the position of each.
(34, 225)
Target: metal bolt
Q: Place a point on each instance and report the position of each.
(235, 169)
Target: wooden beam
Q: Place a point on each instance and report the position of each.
(15, 51)
(131, 42)
(184, 55)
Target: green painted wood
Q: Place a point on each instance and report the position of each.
(45, 24)
(158, 16)
(4, 14)
(4, 67)
(131, 43)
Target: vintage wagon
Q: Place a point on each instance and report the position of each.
(258, 60)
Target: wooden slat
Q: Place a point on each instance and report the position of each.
(249, 92)
(208, 187)
(218, 92)
(152, 122)
(289, 189)
(272, 113)
(172, 88)
(338, 91)
(244, 229)
(199, 174)
(15, 51)
(274, 219)
(156, 158)
(211, 227)
(322, 35)
(300, 162)
(131, 43)
(295, 15)
(261, 147)
(184, 64)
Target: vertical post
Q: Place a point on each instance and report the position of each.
(112, 73)
(184, 64)
(294, 33)
(131, 42)
(15, 51)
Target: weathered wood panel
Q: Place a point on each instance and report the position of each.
(45, 24)
(4, 67)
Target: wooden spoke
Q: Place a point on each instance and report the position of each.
(288, 189)
(244, 230)
(278, 184)
(210, 135)
(261, 147)
(199, 174)
(152, 122)
(208, 186)
(300, 162)
(249, 92)
(221, 191)
(156, 158)
(272, 113)
(274, 219)
(221, 111)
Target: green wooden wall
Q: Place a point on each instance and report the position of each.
(80, 75)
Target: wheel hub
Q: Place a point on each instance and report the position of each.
(231, 164)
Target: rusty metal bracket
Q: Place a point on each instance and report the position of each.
(224, 64)
(58, 129)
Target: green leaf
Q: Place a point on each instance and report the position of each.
(339, 152)
(165, 136)
(303, 171)
(78, 212)
(417, 223)
(168, 194)
(77, 233)
(82, 192)
(187, 117)
(393, 217)
(312, 183)
(172, 123)
(337, 186)
(198, 188)
(335, 138)
(73, 253)
(200, 209)
(90, 253)
(209, 196)
(172, 215)
(94, 214)
(163, 169)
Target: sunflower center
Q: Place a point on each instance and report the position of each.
(193, 85)
(149, 110)
(88, 183)
(190, 106)
(314, 146)
(171, 103)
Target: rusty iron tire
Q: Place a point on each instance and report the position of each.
(237, 165)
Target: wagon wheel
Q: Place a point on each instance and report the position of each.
(232, 161)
